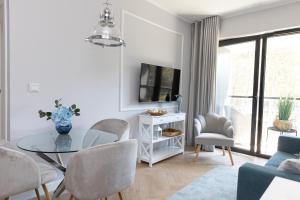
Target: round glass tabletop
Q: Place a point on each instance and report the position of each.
(76, 140)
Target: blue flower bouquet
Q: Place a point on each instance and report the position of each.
(61, 116)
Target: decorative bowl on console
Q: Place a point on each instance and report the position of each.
(157, 112)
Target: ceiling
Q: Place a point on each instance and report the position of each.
(193, 10)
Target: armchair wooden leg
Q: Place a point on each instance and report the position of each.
(223, 149)
(120, 195)
(37, 193)
(7, 198)
(197, 150)
(71, 197)
(47, 195)
(230, 155)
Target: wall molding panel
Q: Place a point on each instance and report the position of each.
(169, 52)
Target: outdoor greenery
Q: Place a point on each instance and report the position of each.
(285, 108)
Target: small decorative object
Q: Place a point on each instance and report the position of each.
(157, 132)
(171, 132)
(61, 116)
(157, 112)
(285, 108)
(179, 102)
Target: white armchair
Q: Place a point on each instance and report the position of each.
(213, 129)
(20, 173)
(102, 170)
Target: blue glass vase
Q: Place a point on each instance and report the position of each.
(63, 129)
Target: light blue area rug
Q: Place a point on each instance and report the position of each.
(219, 183)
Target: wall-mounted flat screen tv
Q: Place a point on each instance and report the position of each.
(158, 84)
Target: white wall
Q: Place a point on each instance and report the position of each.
(272, 19)
(162, 47)
(47, 46)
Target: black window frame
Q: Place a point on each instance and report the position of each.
(258, 84)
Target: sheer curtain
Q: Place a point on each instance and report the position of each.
(222, 82)
(205, 39)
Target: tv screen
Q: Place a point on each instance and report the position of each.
(158, 84)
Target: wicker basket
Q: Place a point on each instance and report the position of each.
(170, 132)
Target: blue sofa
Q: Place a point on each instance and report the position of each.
(253, 180)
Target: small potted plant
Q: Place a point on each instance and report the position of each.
(285, 109)
(61, 116)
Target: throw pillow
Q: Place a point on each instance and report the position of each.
(291, 166)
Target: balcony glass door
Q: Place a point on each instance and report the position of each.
(236, 95)
(281, 79)
(253, 73)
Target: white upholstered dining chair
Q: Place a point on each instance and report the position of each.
(102, 170)
(20, 173)
(117, 126)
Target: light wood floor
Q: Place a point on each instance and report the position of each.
(169, 176)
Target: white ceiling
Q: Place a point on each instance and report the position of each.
(194, 10)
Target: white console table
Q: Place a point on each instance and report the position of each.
(153, 149)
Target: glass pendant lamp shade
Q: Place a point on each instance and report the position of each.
(105, 33)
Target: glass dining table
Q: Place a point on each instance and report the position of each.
(49, 143)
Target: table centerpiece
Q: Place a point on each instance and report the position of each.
(61, 116)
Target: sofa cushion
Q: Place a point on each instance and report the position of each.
(278, 157)
(290, 166)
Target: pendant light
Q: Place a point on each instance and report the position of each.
(105, 33)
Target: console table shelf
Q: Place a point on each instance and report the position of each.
(163, 153)
(154, 148)
(160, 139)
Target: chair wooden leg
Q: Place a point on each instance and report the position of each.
(37, 193)
(120, 195)
(7, 198)
(223, 149)
(230, 155)
(197, 150)
(47, 195)
(71, 197)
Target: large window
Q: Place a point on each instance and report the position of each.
(252, 74)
